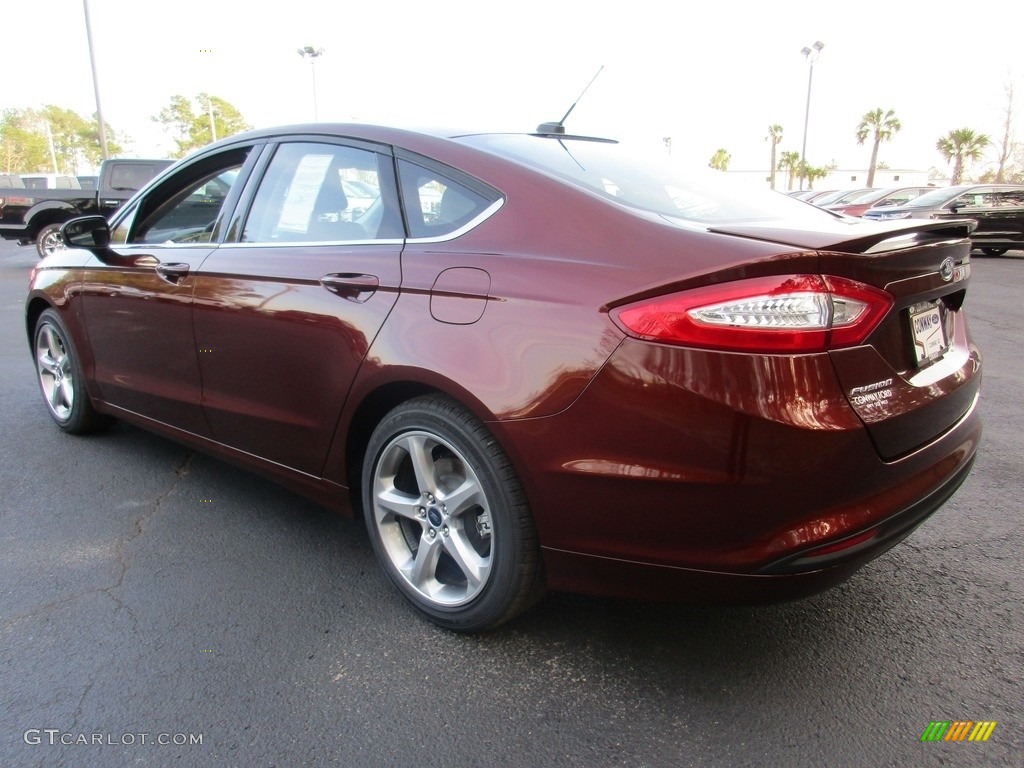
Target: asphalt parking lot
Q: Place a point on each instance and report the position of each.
(162, 608)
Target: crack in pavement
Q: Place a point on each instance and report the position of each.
(181, 470)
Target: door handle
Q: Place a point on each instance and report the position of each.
(351, 286)
(173, 273)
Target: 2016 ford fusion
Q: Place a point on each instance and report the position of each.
(529, 360)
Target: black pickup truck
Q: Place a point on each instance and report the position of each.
(36, 215)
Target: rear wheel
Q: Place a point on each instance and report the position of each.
(49, 241)
(60, 377)
(448, 517)
(994, 251)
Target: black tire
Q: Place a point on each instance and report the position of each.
(59, 371)
(994, 251)
(49, 241)
(469, 566)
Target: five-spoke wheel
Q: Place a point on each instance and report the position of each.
(60, 377)
(56, 376)
(448, 517)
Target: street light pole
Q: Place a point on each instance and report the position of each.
(95, 83)
(811, 54)
(313, 54)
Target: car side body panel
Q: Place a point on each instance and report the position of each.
(261, 310)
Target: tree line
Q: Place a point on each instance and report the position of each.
(53, 139)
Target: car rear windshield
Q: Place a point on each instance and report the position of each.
(645, 180)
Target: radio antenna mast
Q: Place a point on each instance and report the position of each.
(559, 127)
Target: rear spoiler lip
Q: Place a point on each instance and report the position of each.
(862, 236)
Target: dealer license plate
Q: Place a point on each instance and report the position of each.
(928, 331)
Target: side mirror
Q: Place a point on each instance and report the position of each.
(89, 232)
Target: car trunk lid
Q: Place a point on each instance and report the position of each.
(918, 373)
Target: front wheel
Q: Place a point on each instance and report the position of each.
(61, 379)
(994, 251)
(448, 517)
(49, 241)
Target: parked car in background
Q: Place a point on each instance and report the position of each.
(808, 195)
(586, 370)
(11, 181)
(878, 198)
(803, 194)
(838, 197)
(36, 215)
(88, 182)
(997, 208)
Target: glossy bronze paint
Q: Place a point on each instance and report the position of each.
(282, 332)
(651, 470)
(718, 463)
(135, 315)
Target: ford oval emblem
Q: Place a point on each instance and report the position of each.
(946, 268)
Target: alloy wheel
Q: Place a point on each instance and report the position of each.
(56, 371)
(433, 517)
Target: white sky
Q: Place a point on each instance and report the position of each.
(709, 74)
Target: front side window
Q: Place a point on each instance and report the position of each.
(978, 198)
(321, 193)
(186, 208)
(189, 216)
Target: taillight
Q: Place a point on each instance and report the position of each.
(781, 313)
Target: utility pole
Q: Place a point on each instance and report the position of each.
(95, 84)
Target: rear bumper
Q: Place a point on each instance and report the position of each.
(790, 578)
(632, 580)
(679, 484)
(864, 546)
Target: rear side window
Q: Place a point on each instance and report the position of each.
(439, 205)
(321, 193)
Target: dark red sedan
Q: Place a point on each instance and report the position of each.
(529, 360)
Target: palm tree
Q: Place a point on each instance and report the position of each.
(720, 160)
(881, 128)
(812, 173)
(790, 161)
(774, 136)
(961, 144)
